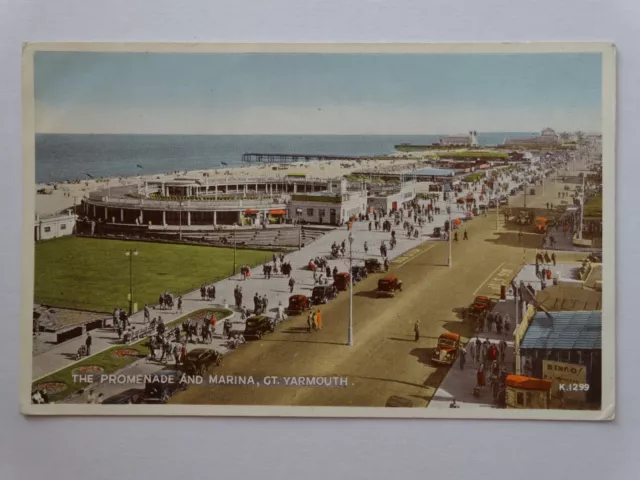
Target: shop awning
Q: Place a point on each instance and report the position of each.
(251, 212)
(277, 212)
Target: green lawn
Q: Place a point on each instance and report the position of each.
(93, 274)
(110, 362)
(593, 207)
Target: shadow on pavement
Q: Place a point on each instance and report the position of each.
(389, 380)
(511, 239)
(303, 341)
(423, 355)
(367, 294)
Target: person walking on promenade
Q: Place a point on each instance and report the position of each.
(369, 225)
(502, 347)
(463, 356)
(310, 321)
(179, 304)
(88, 342)
(480, 377)
(553, 258)
(319, 319)
(416, 331)
(472, 352)
(292, 282)
(455, 236)
(466, 236)
(366, 247)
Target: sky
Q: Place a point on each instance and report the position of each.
(164, 93)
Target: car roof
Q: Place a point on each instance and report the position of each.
(450, 336)
(389, 278)
(481, 298)
(342, 274)
(297, 297)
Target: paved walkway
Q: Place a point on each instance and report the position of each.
(276, 288)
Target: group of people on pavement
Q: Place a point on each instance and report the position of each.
(489, 360)
(314, 320)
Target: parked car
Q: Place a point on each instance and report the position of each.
(387, 286)
(446, 352)
(341, 281)
(373, 265)
(163, 385)
(297, 304)
(128, 397)
(358, 272)
(480, 305)
(257, 326)
(323, 294)
(199, 360)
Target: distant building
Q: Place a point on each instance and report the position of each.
(547, 138)
(335, 206)
(53, 226)
(461, 140)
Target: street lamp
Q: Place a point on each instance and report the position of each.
(350, 341)
(450, 262)
(130, 253)
(234, 248)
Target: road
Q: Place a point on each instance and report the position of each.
(385, 360)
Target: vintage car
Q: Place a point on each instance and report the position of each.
(163, 385)
(373, 265)
(128, 397)
(480, 305)
(358, 272)
(387, 286)
(257, 326)
(297, 304)
(446, 352)
(541, 225)
(323, 294)
(437, 232)
(199, 360)
(341, 281)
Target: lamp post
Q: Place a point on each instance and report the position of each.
(350, 338)
(450, 261)
(130, 253)
(180, 229)
(234, 248)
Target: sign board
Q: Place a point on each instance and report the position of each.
(568, 380)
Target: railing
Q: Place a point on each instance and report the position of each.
(186, 204)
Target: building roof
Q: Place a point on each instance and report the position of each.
(437, 172)
(562, 298)
(527, 383)
(568, 331)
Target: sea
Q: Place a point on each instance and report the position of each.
(62, 157)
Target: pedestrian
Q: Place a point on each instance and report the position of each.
(315, 277)
(91, 397)
(366, 247)
(466, 236)
(319, 319)
(292, 282)
(502, 347)
(180, 304)
(87, 343)
(309, 321)
(463, 355)
(416, 330)
(553, 258)
(455, 236)
(472, 352)
(480, 377)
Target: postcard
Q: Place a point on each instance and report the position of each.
(324, 230)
